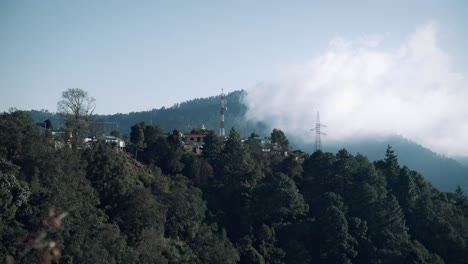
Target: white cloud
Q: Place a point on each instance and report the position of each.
(371, 40)
(362, 90)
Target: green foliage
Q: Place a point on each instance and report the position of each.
(77, 109)
(186, 209)
(198, 170)
(13, 195)
(108, 172)
(18, 135)
(278, 137)
(137, 135)
(213, 146)
(115, 133)
(232, 204)
(137, 211)
(277, 199)
(292, 167)
(445, 173)
(48, 124)
(177, 251)
(213, 246)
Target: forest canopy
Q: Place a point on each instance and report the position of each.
(233, 203)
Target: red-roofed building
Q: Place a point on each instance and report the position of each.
(195, 137)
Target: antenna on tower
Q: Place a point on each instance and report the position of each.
(318, 133)
(223, 109)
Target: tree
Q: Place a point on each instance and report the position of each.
(213, 146)
(336, 244)
(213, 246)
(184, 218)
(237, 176)
(277, 199)
(109, 175)
(115, 133)
(278, 136)
(137, 135)
(137, 211)
(18, 135)
(77, 109)
(392, 169)
(291, 167)
(96, 128)
(388, 230)
(13, 195)
(253, 135)
(234, 144)
(458, 198)
(48, 124)
(198, 170)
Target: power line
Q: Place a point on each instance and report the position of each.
(318, 133)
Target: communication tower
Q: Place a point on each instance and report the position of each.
(223, 109)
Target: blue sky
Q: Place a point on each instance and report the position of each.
(139, 55)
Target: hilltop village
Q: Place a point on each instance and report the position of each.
(191, 141)
(194, 139)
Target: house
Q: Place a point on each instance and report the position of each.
(58, 132)
(263, 142)
(113, 141)
(195, 137)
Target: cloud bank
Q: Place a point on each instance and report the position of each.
(365, 91)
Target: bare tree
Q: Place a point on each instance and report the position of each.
(77, 109)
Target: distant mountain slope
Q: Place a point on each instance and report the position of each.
(444, 173)
(462, 160)
(41, 116)
(184, 116)
(190, 114)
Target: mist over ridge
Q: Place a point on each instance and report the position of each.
(365, 91)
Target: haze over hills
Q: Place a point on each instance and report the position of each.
(462, 160)
(445, 173)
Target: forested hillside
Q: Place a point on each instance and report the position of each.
(184, 116)
(443, 172)
(232, 204)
